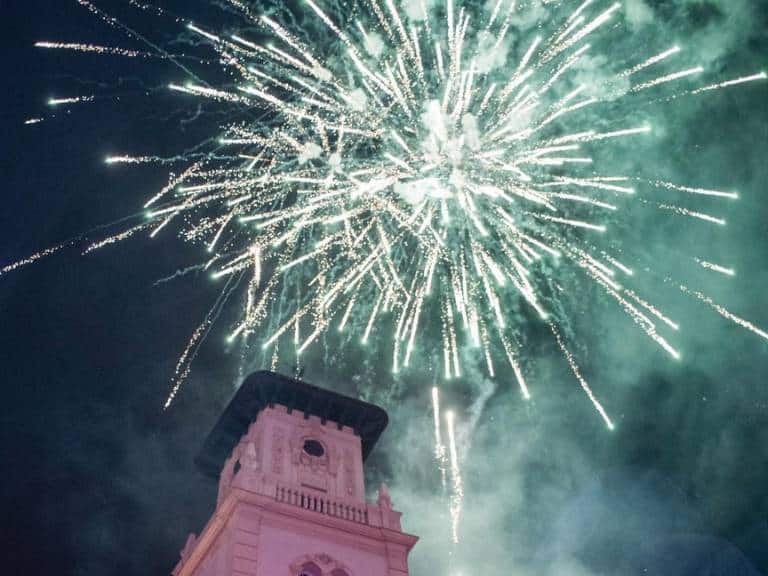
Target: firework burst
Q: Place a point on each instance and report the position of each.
(424, 169)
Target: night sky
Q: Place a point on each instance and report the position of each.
(98, 480)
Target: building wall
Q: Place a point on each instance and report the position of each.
(281, 505)
(271, 453)
(218, 559)
(255, 541)
(286, 544)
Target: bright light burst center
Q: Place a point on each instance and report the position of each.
(428, 168)
(421, 161)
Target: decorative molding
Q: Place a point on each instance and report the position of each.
(251, 444)
(349, 474)
(326, 563)
(278, 450)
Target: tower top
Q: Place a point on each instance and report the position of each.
(264, 389)
(291, 498)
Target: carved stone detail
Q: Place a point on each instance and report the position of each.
(313, 471)
(328, 565)
(278, 450)
(252, 451)
(349, 475)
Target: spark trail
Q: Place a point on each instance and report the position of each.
(457, 494)
(426, 182)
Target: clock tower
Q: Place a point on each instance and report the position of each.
(291, 502)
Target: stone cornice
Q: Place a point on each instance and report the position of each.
(289, 515)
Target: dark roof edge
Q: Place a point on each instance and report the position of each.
(264, 388)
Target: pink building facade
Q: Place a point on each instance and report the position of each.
(291, 499)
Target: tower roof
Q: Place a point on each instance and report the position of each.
(262, 389)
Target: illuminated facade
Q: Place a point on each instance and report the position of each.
(291, 500)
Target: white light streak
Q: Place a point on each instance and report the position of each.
(410, 187)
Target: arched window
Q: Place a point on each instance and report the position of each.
(310, 569)
(318, 565)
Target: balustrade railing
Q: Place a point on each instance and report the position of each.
(318, 503)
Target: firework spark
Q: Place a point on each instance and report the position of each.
(70, 100)
(716, 267)
(439, 446)
(432, 166)
(457, 494)
(93, 48)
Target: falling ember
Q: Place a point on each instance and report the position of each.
(694, 214)
(734, 82)
(436, 415)
(697, 191)
(72, 100)
(725, 313)
(716, 267)
(34, 257)
(94, 48)
(572, 362)
(457, 490)
(431, 169)
(131, 159)
(439, 447)
(116, 238)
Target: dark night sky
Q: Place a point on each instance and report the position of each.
(98, 480)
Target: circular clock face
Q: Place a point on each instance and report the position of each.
(313, 448)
